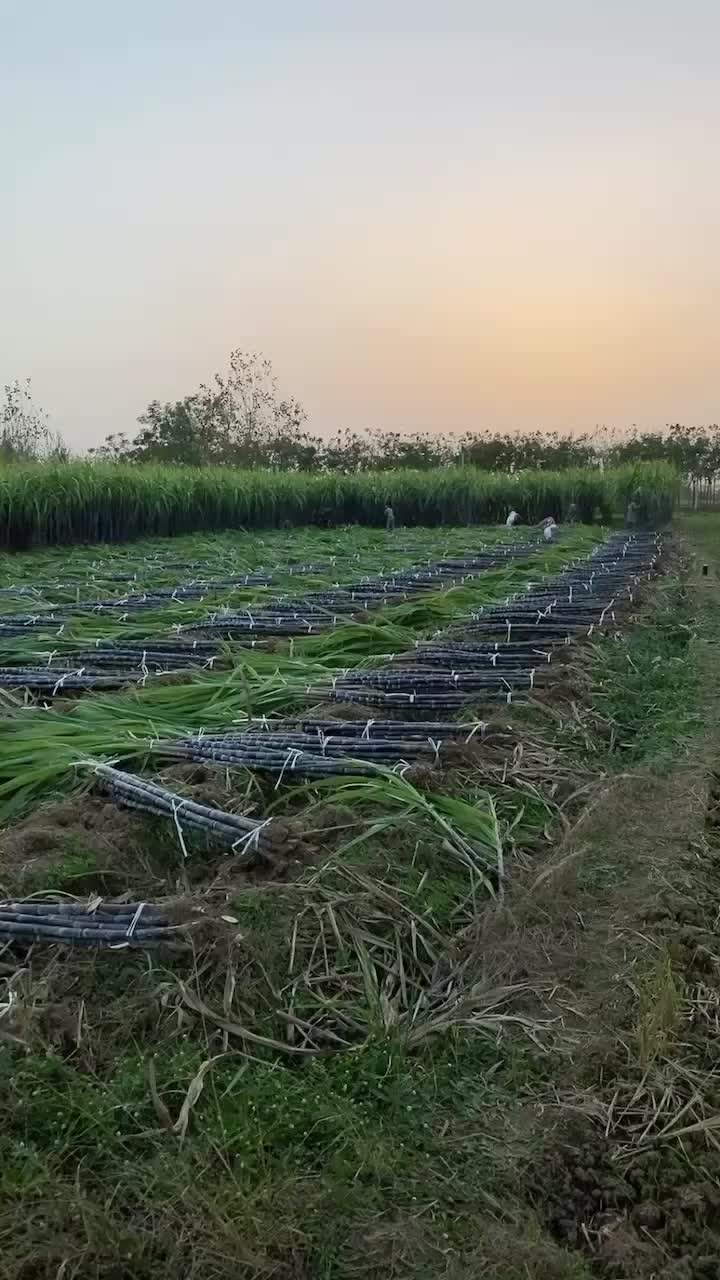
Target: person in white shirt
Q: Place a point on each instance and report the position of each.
(512, 520)
(549, 531)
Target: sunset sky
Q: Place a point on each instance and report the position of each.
(442, 216)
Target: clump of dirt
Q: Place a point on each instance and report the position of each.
(574, 1184)
(712, 815)
(654, 1216)
(342, 711)
(558, 689)
(205, 784)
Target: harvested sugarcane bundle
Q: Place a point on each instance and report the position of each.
(57, 680)
(543, 633)
(462, 685)
(308, 756)
(316, 753)
(292, 762)
(199, 647)
(232, 627)
(453, 656)
(280, 743)
(134, 661)
(247, 838)
(429, 677)
(417, 701)
(406, 729)
(12, 626)
(99, 924)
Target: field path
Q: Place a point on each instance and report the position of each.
(620, 1146)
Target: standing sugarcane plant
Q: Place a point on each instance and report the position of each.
(48, 503)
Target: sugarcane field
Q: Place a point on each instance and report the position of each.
(359, 636)
(359, 883)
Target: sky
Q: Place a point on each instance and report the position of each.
(430, 216)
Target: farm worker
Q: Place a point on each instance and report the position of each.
(631, 514)
(389, 518)
(512, 520)
(549, 530)
(548, 520)
(572, 513)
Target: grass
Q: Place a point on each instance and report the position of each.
(80, 1154)
(646, 687)
(50, 504)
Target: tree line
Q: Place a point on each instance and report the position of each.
(241, 419)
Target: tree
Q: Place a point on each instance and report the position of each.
(240, 419)
(25, 432)
(192, 431)
(115, 448)
(420, 451)
(349, 451)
